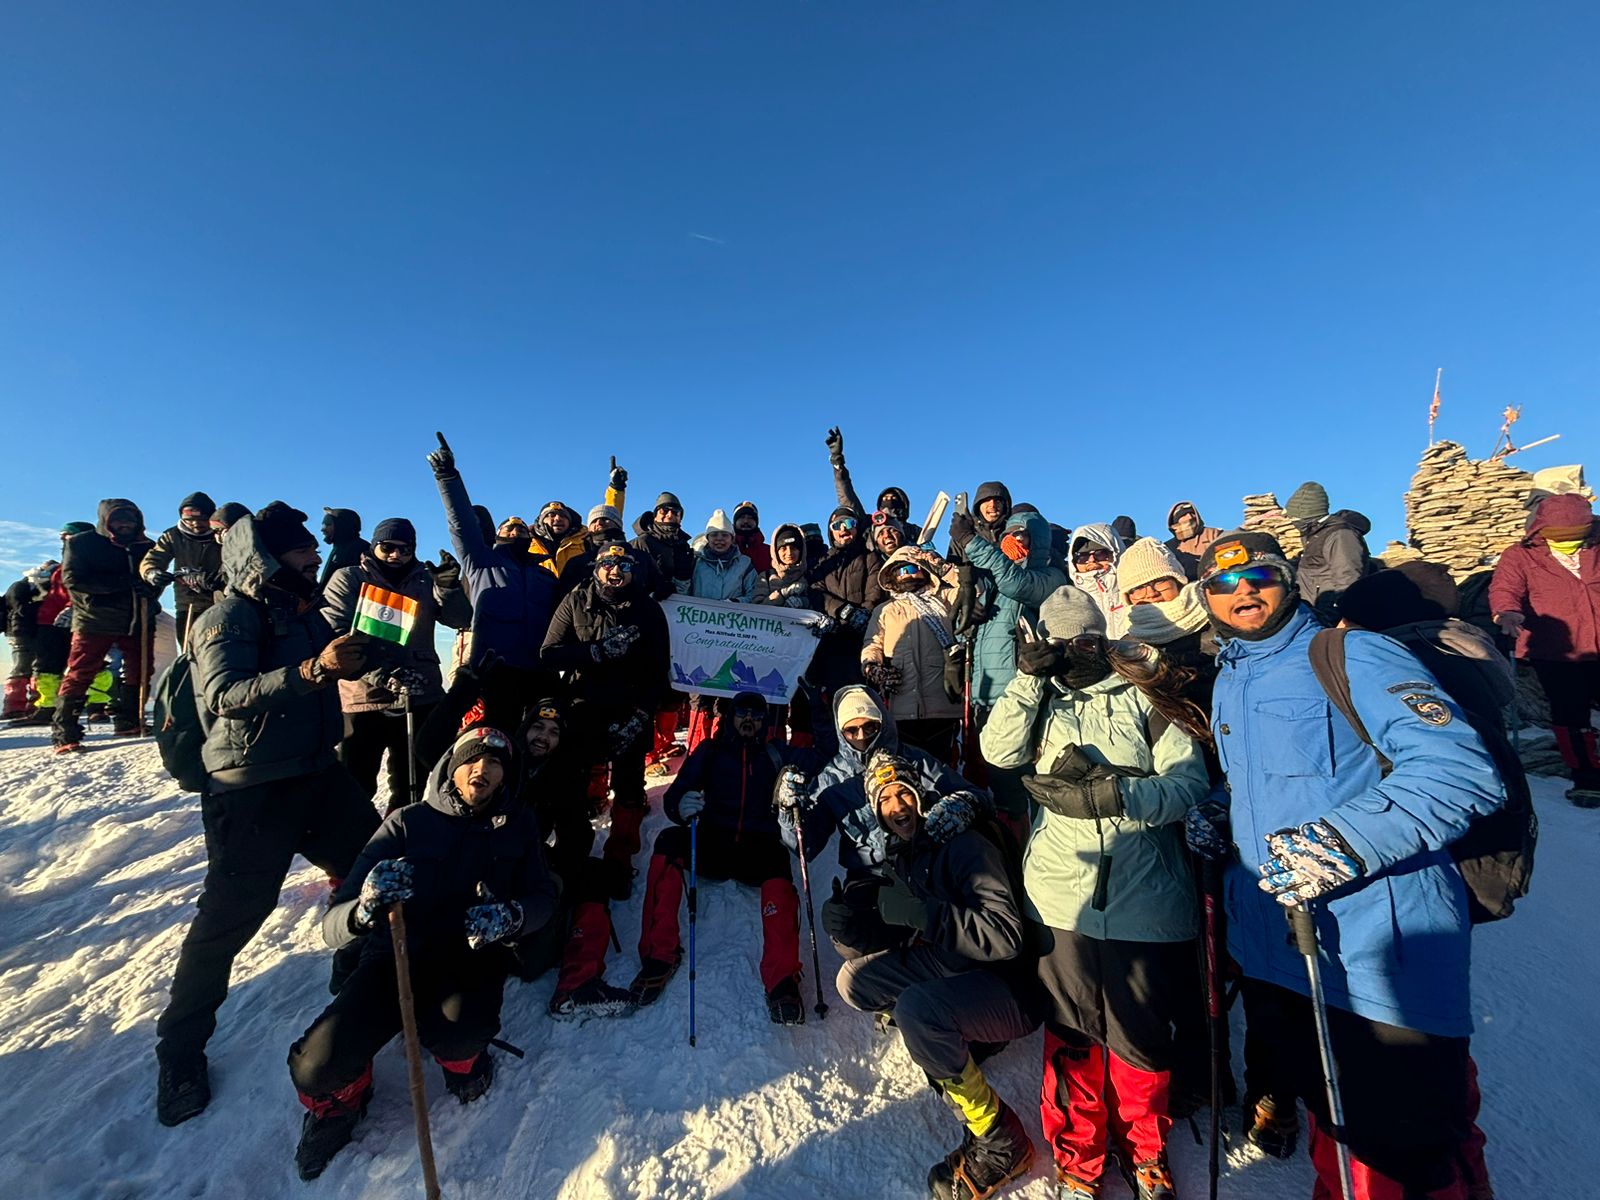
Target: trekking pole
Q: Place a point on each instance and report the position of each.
(144, 659)
(411, 745)
(1305, 938)
(1211, 884)
(811, 914)
(408, 1024)
(694, 912)
(1516, 706)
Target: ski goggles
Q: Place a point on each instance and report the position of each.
(881, 517)
(492, 738)
(843, 523)
(1225, 583)
(613, 555)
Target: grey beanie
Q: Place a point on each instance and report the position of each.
(1309, 502)
(1070, 612)
(604, 512)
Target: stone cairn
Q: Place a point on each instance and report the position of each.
(1264, 514)
(1462, 513)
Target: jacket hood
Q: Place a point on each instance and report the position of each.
(439, 794)
(645, 526)
(245, 561)
(113, 505)
(888, 737)
(1096, 534)
(1038, 531)
(900, 495)
(886, 573)
(991, 490)
(1346, 518)
(1560, 512)
(1172, 513)
(346, 523)
(794, 531)
(197, 500)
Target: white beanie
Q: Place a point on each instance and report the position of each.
(1146, 561)
(1070, 612)
(858, 703)
(719, 522)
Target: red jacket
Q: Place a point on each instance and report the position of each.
(1562, 610)
(753, 545)
(56, 600)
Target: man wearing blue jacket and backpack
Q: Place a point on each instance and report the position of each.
(1310, 818)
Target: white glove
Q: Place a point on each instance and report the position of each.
(691, 805)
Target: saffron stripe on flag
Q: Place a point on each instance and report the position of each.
(383, 614)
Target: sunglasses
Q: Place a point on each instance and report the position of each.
(1087, 643)
(843, 523)
(1228, 582)
(1084, 556)
(615, 564)
(751, 713)
(392, 547)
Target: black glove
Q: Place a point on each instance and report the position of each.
(480, 667)
(619, 477)
(146, 589)
(1098, 795)
(955, 672)
(836, 447)
(614, 642)
(962, 529)
(1040, 659)
(443, 460)
(159, 579)
(447, 574)
(899, 905)
(853, 617)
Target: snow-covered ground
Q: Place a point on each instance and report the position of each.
(101, 860)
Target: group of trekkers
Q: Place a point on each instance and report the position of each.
(1079, 779)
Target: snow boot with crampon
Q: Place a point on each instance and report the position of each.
(784, 1004)
(596, 998)
(652, 979)
(1152, 1180)
(468, 1080)
(329, 1125)
(1070, 1187)
(994, 1147)
(1272, 1128)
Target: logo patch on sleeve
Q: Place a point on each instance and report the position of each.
(1429, 709)
(1410, 685)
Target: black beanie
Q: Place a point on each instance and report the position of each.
(281, 528)
(228, 514)
(395, 529)
(1412, 592)
(197, 500)
(476, 742)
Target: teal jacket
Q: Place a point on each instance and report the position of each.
(1011, 590)
(1151, 895)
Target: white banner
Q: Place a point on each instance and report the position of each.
(721, 649)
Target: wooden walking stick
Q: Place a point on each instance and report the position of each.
(408, 1023)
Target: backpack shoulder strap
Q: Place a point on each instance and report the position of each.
(1328, 665)
(775, 757)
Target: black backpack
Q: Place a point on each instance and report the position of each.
(179, 733)
(1495, 854)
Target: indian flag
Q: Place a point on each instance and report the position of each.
(385, 614)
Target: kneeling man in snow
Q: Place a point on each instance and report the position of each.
(468, 865)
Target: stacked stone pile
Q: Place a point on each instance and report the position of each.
(1461, 512)
(1264, 513)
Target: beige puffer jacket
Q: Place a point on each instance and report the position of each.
(901, 634)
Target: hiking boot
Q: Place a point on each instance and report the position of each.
(98, 714)
(1070, 1187)
(784, 1005)
(651, 980)
(1152, 1180)
(981, 1166)
(1271, 1129)
(321, 1137)
(183, 1089)
(66, 732)
(1584, 797)
(467, 1086)
(597, 998)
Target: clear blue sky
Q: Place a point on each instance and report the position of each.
(1115, 254)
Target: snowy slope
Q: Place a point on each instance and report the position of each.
(101, 860)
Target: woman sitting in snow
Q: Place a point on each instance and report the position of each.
(468, 863)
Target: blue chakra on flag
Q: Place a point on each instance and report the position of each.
(386, 613)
